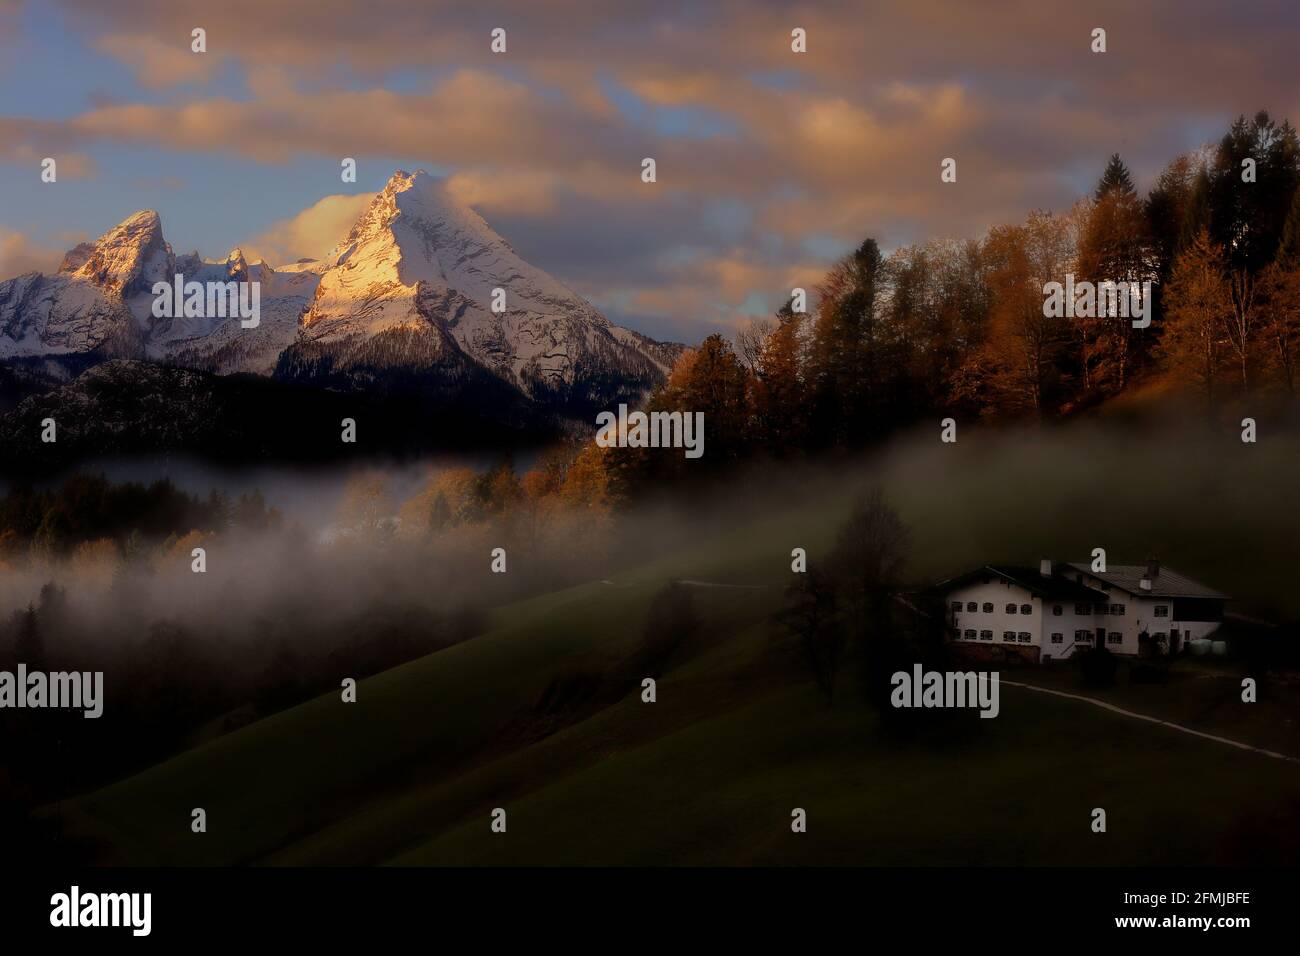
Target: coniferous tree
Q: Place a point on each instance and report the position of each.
(1114, 179)
(1247, 217)
(1116, 246)
(779, 412)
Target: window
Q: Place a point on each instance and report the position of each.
(1024, 637)
(986, 635)
(1083, 637)
(1058, 638)
(972, 606)
(1011, 609)
(970, 633)
(1114, 637)
(956, 605)
(1026, 609)
(1117, 609)
(1082, 609)
(1057, 610)
(1008, 635)
(1162, 610)
(1099, 609)
(988, 607)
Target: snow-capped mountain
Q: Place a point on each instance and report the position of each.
(100, 305)
(82, 308)
(223, 345)
(408, 296)
(421, 273)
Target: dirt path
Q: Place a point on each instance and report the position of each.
(1155, 720)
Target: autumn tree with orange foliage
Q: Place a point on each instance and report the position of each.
(1198, 304)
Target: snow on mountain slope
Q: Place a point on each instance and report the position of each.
(223, 345)
(128, 259)
(406, 297)
(83, 308)
(417, 260)
(61, 315)
(101, 302)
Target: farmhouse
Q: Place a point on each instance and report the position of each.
(1050, 612)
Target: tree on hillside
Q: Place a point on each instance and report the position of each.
(709, 379)
(845, 357)
(1279, 325)
(1115, 181)
(499, 489)
(1115, 246)
(1247, 218)
(850, 597)
(29, 644)
(751, 339)
(1198, 304)
(1168, 206)
(591, 483)
(868, 559)
(366, 505)
(814, 616)
(778, 392)
(1241, 321)
(1198, 214)
(1024, 347)
(964, 304)
(912, 338)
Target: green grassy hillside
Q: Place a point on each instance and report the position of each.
(535, 716)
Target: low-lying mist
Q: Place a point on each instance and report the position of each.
(354, 572)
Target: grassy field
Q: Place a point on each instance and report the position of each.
(709, 774)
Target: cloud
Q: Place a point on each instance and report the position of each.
(491, 191)
(18, 255)
(25, 141)
(310, 234)
(159, 63)
(546, 140)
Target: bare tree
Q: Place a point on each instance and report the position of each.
(751, 341)
(813, 616)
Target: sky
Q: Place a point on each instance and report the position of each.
(770, 163)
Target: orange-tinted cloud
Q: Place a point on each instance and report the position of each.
(19, 255)
(311, 233)
(836, 144)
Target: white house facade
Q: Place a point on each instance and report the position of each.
(1049, 612)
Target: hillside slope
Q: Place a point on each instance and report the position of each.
(537, 716)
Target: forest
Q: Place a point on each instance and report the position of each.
(957, 327)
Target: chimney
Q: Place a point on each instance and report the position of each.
(1045, 567)
(1153, 568)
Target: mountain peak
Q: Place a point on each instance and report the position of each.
(144, 219)
(131, 255)
(419, 261)
(420, 282)
(401, 180)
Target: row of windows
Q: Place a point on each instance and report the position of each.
(1117, 610)
(1024, 637)
(1011, 637)
(1086, 609)
(1085, 637)
(988, 607)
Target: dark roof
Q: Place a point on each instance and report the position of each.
(1055, 588)
(1167, 583)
